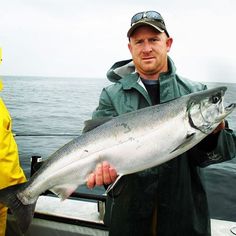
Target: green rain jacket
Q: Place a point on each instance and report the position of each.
(168, 200)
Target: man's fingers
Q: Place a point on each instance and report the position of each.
(91, 181)
(99, 175)
(106, 173)
(113, 174)
(219, 127)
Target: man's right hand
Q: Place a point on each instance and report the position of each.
(104, 174)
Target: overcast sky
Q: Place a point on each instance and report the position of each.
(75, 38)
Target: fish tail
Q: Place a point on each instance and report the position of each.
(22, 213)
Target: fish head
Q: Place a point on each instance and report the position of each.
(206, 109)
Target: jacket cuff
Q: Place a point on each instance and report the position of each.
(215, 148)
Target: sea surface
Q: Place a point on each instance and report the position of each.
(49, 112)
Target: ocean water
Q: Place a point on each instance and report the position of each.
(49, 112)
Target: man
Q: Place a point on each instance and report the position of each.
(10, 170)
(169, 199)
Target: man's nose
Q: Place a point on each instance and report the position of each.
(147, 47)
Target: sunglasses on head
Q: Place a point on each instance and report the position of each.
(152, 15)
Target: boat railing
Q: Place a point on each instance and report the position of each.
(76, 198)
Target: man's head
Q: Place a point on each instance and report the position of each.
(149, 43)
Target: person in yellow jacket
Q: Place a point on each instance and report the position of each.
(10, 170)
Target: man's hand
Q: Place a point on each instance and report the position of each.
(219, 127)
(103, 174)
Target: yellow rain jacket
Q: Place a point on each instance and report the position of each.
(10, 170)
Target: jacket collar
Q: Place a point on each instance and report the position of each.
(133, 81)
(168, 84)
(169, 89)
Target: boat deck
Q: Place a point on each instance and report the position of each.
(80, 217)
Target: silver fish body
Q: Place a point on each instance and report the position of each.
(131, 142)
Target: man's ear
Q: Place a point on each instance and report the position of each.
(169, 42)
(130, 47)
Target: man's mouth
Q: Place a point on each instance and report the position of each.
(147, 58)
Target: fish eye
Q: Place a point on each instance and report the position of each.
(215, 99)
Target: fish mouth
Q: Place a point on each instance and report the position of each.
(227, 110)
(230, 107)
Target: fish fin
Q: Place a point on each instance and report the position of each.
(111, 186)
(94, 123)
(188, 139)
(22, 213)
(63, 191)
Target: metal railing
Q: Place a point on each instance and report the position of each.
(36, 162)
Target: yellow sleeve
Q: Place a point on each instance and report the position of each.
(10, 171)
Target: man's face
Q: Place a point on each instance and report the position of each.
(149, 49)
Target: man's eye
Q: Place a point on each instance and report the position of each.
(155, 39)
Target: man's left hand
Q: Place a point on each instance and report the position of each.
(219, 127)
